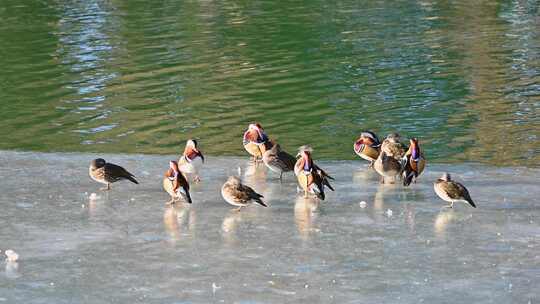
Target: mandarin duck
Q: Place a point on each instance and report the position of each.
(311, 178)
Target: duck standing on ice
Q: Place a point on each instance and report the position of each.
(451, 191)
(237, 194)
(415, 162)
(311, 178)
(176, 184)
(191, 160)
(255, 141)
(390, 162)
(278, 160)
(107, 173)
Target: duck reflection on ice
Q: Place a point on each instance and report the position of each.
(255, 176)
(306, 211)
(442, 220)
(179, 220)
(446, 217)
(12, 270)
(364, 175)
(230, 225)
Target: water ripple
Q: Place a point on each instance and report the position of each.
(107, 76)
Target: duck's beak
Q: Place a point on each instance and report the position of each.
(259, 132)
(358, 143)
(199, 152)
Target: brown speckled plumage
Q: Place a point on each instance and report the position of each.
(237, 194)
(107, 173)
(451, 191)
(393, 147)
(278, 160)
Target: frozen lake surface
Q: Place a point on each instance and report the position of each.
(126, 246)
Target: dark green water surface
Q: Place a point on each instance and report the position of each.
(142, 76)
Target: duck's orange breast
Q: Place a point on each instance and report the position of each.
(367, 152)
(254, 149)
(305, 180)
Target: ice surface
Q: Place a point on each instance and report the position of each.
(126, 246)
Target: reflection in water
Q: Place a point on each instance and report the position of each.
(306, 211)
(178, 220)
(86, 47)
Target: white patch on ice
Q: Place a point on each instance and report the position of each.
(93, 196)
(363, 204)
(389, 212)
(11, 255)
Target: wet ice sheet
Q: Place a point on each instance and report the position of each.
(126, 246)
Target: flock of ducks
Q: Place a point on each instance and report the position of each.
(390, 158)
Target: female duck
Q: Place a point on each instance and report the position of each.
(390, 162)
(278, 160)
(451, 191)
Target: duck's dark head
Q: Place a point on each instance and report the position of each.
(97, 163)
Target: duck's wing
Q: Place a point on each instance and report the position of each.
(322, 176)
(322, 172)
(249, 194)
(114, 173)
(285, 161)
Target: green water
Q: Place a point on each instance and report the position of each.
(143, 76)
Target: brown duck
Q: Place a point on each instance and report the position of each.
(391, 161)
(107, 173)
(393, 147)
(237, 194)
(278, 160)
(451, 191)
